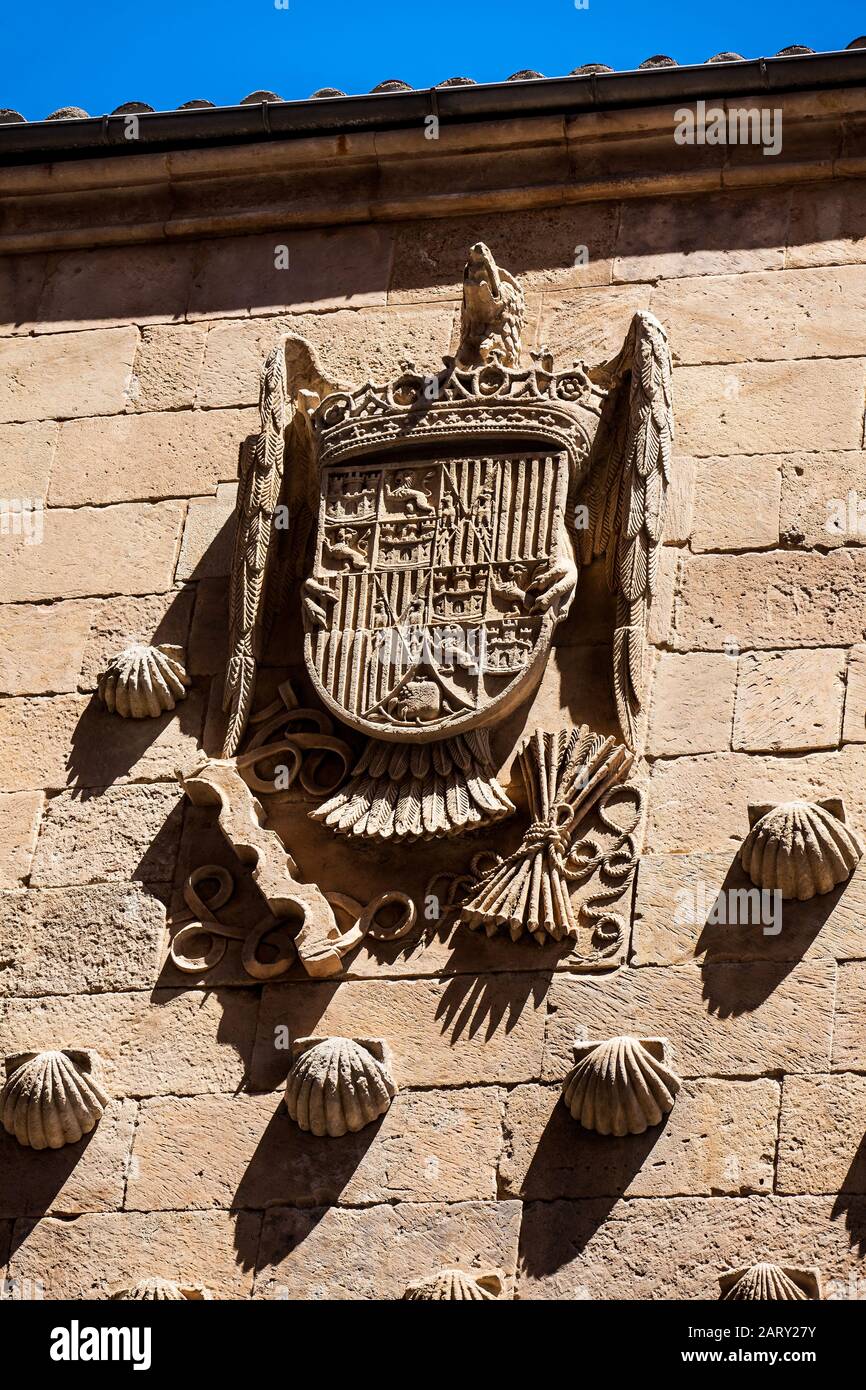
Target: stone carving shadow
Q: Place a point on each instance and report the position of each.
(851, 1200)
(293, 1169)
(473, 1005)
(730, 992)
(571, 1164)
(35, 1178)
(105, 747)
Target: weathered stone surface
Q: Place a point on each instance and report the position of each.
(317, 269)
(854, 722)
(824, 499)
(748, 318)
(459, 1032)
(62, 376)
(175, 453)
(120, 622)
(154, 1042)
(208, 535)
(716, 235)
(725, 1020)
(115, 833)
(778, 600)
(374, 1253)
(99, 1253)
(353, 347)
(26, 454)
(736, 504)
(701, 803)
(830, 230)
(87, 1176)
(545, 248)
(21, 280)
(790, 701)
(590, 324)
(592, 1249)
(692, 703)
(432, 1146)
(106, 286)
(680, 500)
(104, 937)
(730, 409)
(719, 1137)
(73, 741)
(849, 1034)
(19, 823)
(821, 1129)
(167, 367)
(661, 614)
(128, 549)
(703, 905)
(208, 640)
(43, 646)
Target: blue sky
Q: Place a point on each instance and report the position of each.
(97, 54)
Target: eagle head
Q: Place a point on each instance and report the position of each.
(493, 312)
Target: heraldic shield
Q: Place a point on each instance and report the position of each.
(426, 571)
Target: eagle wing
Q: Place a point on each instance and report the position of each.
(625, 500)
(258, 497)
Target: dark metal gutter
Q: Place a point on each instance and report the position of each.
(38, 141)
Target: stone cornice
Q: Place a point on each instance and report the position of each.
(502, 163)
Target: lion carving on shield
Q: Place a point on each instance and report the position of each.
(436, 524)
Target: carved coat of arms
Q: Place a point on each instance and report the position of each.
(427, 533)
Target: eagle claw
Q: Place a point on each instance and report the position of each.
(554, 584)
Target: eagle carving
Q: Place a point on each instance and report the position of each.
(435, 525)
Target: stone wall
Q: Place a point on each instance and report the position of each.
(128, 379)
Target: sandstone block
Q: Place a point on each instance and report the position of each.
(105, 286)
(151, 1042)
(208, 535)
(731, 409)
(19, 824)
(749, 318)
(854, 722)
(167, 367)
(43, 646)
(723, 1020)
(120, 622)
(591, 324)
(431, 1146)
(661, 614)
(790, 701)
(680, 502)
(692, 703)
(821, 1134)
(543, 247)
(175, 453)
(736, 504)
(701, 803)
(72, 741)
(719, 234)
(591, 1250)
(778, 600)
(440, 1033)
(91, 1257)
(320, 269)
(703, 905)
(64, 375)
(208, 642)
(373, 1253)
(21, 279)
(824, 499)
(353, 345)
(26, 454)
(87, 1176)
(830, 230)
(849, 1035)
(129, 549)
(719, 1137)
(116, 833)
(100, 938)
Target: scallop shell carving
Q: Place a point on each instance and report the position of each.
(338, 1085)
(800, 849)
(142, 682)
(456, 1283)
(770, 1283)
(158, 1290)
(51, 1098)
(621, 1085)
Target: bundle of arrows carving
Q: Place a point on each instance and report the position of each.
(566, 774)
